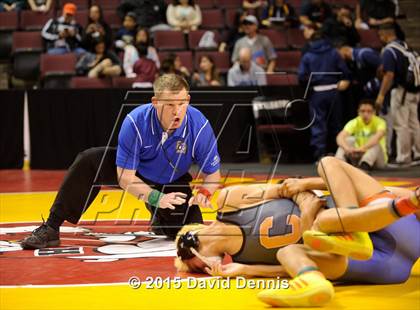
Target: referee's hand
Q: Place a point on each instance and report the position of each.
(170, 200)
(201, 200)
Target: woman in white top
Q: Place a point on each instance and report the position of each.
(184, 15)
(131, 54)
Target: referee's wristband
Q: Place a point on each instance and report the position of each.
(154, 198)
(204, 192)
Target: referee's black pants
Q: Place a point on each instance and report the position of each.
(96, 167)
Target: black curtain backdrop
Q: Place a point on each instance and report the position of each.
(11, 129)
(65, 122)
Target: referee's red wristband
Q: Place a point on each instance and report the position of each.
(204, 192)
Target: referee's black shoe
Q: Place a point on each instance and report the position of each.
(42, 237)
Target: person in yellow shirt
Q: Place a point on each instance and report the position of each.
(362, 141)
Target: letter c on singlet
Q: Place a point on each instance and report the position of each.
(283, 240)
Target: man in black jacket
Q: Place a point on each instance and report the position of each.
(63, 35)
(340, 28)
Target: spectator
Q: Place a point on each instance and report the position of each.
(363, 62)
(184, 15)
(254, 6)
(131, 54)
(340, 28)
(324, 102)
(173, 64)
(101, 63)
(42, 6)
(263, 53)
(63, 35)
(145, 69)
(279, 12)
(405, 96)
(234, 33)
(96, 28)
(12, 5)
(314, 12)
(208, 74)
(127, 32)
(167, 67)
(374, 13)
(308, 32)
(362, 141)
(150, 13)
(246, 72)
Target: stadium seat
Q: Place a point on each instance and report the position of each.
(221, 59)
(295, 38)
(288, 61)
(169, 40)
(194, 38)
(185, 56)
(57, 70)
(112, 18)
(122, 82)
(370, 38)
(81, 4)
(278, 38)
(230, 15)
(30, 20)
(107, 4)
(8, 23)
(212, 19)
(86, 82)
(205, 4)
(282, 79)
(296, 4)
(229, 3)
(27, 48)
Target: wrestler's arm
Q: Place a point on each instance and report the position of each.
(236, 197)
(244, 270)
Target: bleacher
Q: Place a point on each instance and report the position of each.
(22, 47)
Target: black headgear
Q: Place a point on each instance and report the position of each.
(185, 243)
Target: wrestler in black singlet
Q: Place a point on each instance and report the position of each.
(265, 229)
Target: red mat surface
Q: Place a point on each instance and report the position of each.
(25, 267)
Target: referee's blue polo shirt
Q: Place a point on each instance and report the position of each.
(140, 145)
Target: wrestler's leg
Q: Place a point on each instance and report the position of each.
(296, 257)
(347, 184)
(309, 270)
(368, 219)
(371, 218)
(397, 248)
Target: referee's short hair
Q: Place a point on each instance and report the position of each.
(171, 82)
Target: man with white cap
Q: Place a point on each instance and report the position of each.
(262, 50)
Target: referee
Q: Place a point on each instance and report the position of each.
(157, 144)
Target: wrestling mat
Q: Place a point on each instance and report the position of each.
(110, 260)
